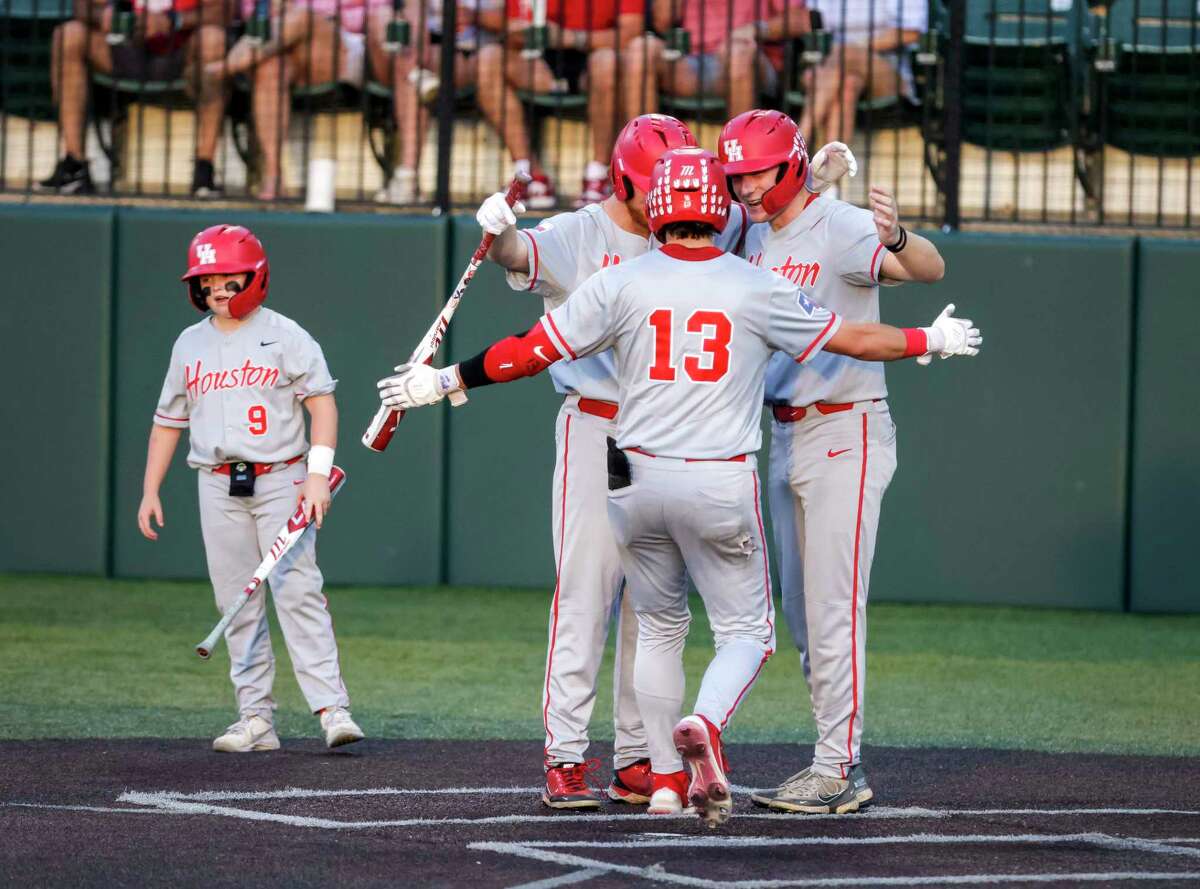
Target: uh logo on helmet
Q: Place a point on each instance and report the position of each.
(759, 140)
(228, 250)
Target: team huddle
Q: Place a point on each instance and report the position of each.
(672, 314)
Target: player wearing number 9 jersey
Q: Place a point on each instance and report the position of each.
(691, 331)
(236, 382)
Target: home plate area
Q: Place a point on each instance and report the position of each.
(455, 813)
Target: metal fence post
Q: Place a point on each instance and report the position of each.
(446, 99)
(952, 109)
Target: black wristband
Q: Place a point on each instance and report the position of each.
(472, 374)
(899, 245)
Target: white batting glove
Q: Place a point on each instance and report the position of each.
(830, 164)
(951, 336)
(416, 385)
(495, 216)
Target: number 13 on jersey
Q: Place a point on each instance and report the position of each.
(710, 364)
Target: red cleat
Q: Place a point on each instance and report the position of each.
(567, 788)
(699, 743)
(632, 784)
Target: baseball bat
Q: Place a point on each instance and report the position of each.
(291, 532)
(383, 426)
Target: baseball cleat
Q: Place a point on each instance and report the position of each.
(250, 733)
(339, 728)
(699, 743)
(669, 792)
(814, 794)
(632, 784)
(567, 788)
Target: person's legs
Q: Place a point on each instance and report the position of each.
(499, 103)
(73, 47)
(272, 110)
(602, 102)
(206, 46)
(640, 61)
(739, 76)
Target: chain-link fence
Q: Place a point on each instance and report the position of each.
(1014, 111)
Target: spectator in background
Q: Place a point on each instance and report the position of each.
(725, 59)
(869, 57)
(170, 40)
(414, 83)
(584, 40)
(312, 42)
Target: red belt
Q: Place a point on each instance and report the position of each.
(740, 458)
(259, 468)
(598, 408)
(785, 413)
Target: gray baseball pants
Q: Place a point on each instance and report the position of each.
(238, 532)
(828, 474)
(587, 599)
(703, 519)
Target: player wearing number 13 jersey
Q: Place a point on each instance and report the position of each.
(691, 330)
(237, 382)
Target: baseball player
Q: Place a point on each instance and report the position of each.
(552, 260)
(833, 443)
(236, 382)
(691, 330)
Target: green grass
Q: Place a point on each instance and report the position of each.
(83, 657)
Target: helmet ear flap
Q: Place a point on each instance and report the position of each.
(194, 295)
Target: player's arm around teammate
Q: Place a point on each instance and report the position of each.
(236, 382)
(691, 330)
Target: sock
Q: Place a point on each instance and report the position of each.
(522, 165)
(595, 170)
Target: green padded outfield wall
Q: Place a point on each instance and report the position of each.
(1012, 466)
(1166, 432)
(365, 287)
(56, 323)
(501, 443)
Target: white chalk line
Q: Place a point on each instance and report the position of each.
(568, 879)
(302, 792)
(84, 808)
(1095, 839)
(656, 874)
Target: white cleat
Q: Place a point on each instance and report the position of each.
(248, 734)
(339, 727)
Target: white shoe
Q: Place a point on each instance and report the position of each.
(248, 734)
(400, 189)
(339, 727)
(426, 82)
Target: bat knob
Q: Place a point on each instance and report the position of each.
(204, 651)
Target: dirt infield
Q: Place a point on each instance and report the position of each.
(408, 813)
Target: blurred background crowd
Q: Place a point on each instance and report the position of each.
(1023, 111)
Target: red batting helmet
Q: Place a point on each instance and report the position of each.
(758, 140)
(688, 185)
(227, 250)
(641, 143)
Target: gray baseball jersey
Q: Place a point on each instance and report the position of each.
(239, 394)
(832, 250)
(691, 332)
(566, 250)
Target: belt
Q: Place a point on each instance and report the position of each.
(785, 413)
(259, 468)
(740, 458)
(598, 408)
